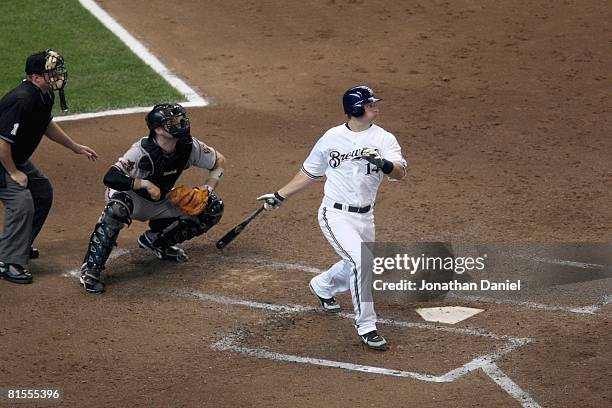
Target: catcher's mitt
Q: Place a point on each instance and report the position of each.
(192, 201)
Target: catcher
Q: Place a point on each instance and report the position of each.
(140, 186)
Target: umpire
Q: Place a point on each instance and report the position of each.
(25, 116)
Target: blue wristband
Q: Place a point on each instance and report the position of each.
(387, 167)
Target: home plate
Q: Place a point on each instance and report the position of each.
(448, 314)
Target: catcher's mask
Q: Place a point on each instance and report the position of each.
(50, 65)
(355, 99)
(172, 117)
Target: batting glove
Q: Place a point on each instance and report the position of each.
(271, 201)
(372, 156)
(376, 159)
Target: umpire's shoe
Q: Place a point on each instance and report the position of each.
(91, 279)
(329, 304)
(374, 340)
(171, 253)
(15, 273)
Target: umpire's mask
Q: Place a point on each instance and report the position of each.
(51, 65)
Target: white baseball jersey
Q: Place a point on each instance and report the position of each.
(350, 179)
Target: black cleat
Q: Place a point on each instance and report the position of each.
(15, 273)
(329, 305)
(374, 340)
(91, 279)
(172, 253)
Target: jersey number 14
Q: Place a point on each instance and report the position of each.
(370, 168)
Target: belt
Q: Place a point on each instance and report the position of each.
(350, 208)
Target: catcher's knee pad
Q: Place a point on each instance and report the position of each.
(213, 213)
(116, 214)
(119, 209)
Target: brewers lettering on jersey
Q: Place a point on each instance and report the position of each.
(354, 157)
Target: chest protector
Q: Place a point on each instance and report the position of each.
(163, 170)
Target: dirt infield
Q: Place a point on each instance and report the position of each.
(503, 111)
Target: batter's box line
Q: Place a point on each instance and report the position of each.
(580, 310)
(484, 362)
(229, 343)
(267, 263)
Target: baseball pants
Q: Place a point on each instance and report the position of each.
(145, 210)
(345, 231)
(25, 212)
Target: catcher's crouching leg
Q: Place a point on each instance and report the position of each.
(116, 214)
(165, 233)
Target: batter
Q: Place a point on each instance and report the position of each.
(354, 157)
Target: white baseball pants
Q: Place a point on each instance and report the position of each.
(345, 231)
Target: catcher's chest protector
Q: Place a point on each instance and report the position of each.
(163, 170)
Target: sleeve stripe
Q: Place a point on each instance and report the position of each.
(312, 176)
(7, 139)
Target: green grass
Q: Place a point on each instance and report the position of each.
(102, 72)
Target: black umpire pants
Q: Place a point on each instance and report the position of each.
(26, 210)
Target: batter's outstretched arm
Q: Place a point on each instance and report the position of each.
(299, 182)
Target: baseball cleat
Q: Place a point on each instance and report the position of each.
(15, 273)
(374, 340)
(172, 253)
(329, 305)
(91, 279)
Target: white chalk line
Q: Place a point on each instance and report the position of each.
(519, 341)
(506, 384)
(489, 368)
(193, 98)
(115, 112)
(583, 310)
(562, 262)
(117, 252)
(230, 343)
(248, 303)
(589, 310)
(485, 362)
(281, 265)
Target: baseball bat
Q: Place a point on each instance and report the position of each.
(234, 232)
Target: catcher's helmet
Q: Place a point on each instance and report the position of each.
(356, 98)
(171, 116)
(51, 63)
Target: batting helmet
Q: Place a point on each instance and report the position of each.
(171, 116)
(356, 98)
